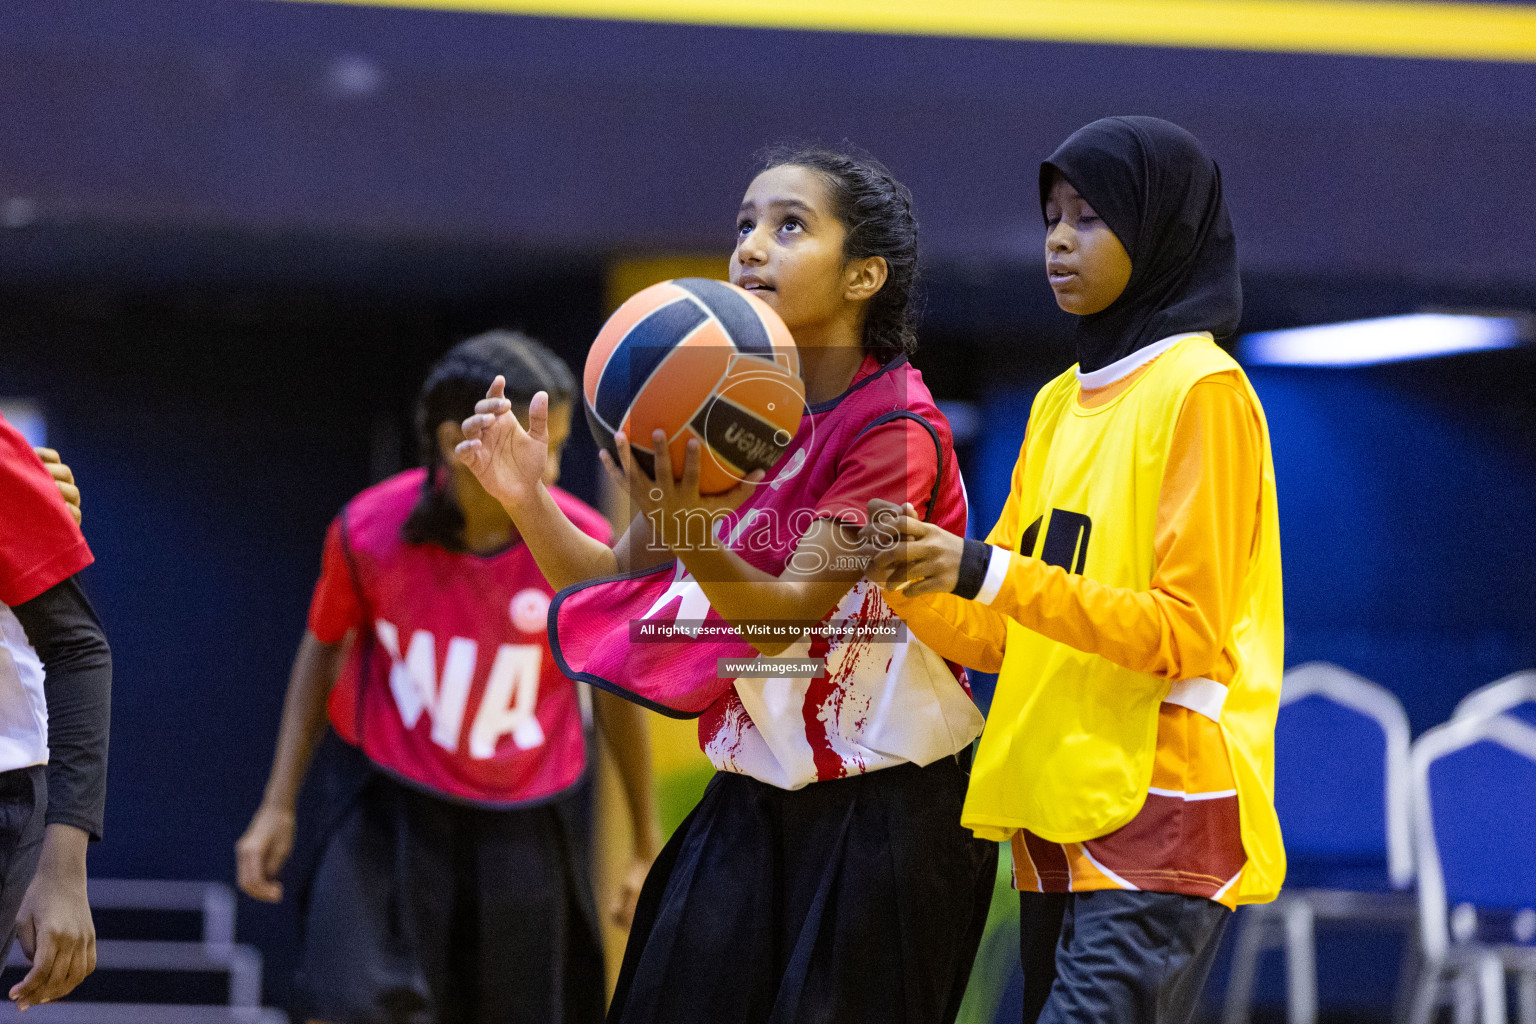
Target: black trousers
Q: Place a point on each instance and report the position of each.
(23, 813)
(420, 910)
(1120, 957)
(854, 901)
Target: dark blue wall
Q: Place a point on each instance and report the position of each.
(1409, 522)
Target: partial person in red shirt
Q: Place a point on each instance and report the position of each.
(55, 714)
(451, 882)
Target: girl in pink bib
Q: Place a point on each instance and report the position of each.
(824, 875)
(448, 878)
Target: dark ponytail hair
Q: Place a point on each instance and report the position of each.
(876, 212)
(456, 383)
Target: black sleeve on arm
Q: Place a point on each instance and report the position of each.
(973, 569)
(77, 682)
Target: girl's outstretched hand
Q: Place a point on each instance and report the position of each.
(508, 460)
(908, 555)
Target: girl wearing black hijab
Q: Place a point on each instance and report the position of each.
(1128, 597)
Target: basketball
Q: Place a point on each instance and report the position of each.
(696, 358)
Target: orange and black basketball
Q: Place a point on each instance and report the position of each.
(696, 358)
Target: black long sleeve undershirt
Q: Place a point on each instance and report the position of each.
(77, 684)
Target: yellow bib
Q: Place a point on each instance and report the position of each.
(1070, 737)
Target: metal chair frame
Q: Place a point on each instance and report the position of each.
(1290, 922)
(1499, 696)
(1476, 970)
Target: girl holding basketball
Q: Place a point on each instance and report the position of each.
(451, 882)
(824, 875)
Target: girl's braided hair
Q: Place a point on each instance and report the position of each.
(876, 212)
(452, 388)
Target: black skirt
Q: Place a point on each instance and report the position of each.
(857, 900)
(420, 910)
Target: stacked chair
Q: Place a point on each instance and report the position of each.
(214, 952)
(1475, 836)
(1343, 793)
(1513, 695)
(1365, 815)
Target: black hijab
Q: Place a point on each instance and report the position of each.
(1161, 195)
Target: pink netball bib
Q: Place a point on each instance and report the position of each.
(454, 686)
(883, 699)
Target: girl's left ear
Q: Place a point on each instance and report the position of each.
(863, 278)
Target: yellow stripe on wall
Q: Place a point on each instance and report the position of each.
(1458, 31)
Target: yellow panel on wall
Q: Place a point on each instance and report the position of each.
(628, 275)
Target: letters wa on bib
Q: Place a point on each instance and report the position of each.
(451, 684)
